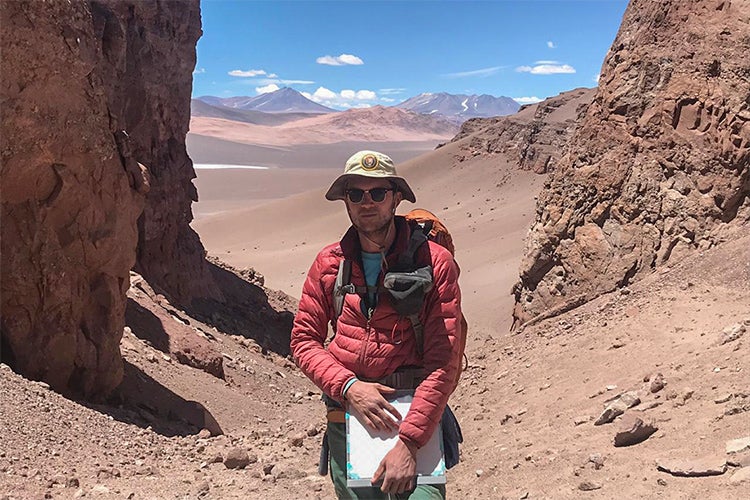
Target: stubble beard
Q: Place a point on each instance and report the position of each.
(374, 230)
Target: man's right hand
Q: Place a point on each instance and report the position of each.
(367, 398)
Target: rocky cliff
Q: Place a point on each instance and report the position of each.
(535, 138)
(91, 92)
(659, 167)
(147, 60)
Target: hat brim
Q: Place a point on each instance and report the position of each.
(337, 191)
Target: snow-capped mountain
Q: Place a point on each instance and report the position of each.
(460, 107)
(285, 100)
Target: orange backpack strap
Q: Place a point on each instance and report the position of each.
(436, 230)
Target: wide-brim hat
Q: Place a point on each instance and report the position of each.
(373, 165)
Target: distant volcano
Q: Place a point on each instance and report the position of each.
(284, 100)
(456, 108)
(460, 107)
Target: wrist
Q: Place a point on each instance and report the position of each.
(409, 446)
(349, 383)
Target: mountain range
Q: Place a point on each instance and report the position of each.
(454, 107)
(284, 100)
(460, 107)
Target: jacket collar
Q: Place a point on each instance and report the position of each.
(352, 249)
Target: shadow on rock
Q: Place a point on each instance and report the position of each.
(146, 325)
(140, 400)
(248, 309)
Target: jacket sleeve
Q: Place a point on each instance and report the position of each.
(309, 334)
(442, 357)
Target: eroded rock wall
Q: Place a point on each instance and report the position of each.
(69, 202)
(659, 168)
(148, 56)
(95, 102)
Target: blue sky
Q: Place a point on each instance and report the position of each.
(346, 54)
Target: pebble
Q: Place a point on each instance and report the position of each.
(202, 488)
(657, 383)
(706, 466)
(723, 399)
(589, 486)
(236, 458)
(597, 459)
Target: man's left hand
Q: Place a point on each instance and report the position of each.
(397, 469)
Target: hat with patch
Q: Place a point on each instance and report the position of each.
(373, 165)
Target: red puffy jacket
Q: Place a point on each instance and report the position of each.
(376, 349)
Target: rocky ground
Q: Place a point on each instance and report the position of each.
(673, 347)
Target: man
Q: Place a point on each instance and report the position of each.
(375, 350)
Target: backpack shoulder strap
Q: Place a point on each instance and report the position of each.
(341, 288)
(418, 327)
(417, 238)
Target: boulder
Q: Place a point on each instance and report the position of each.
(633, 430)
(236, 458)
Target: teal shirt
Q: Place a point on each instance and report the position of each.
(371, 263)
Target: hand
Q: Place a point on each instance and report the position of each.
(367, 398)
(397, 469)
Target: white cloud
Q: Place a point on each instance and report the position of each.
(292, 82)
(366, 95)
(484, 72)
(248, 74)
(342, 60)
(596, 77)
(199, 71)
(391, 91)
(527, 100)
(324, 93)
(387, 99)
(268, 88)
(343, 100)
(546, 68)
(551, 45)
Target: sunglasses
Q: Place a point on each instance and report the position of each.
(376, 194)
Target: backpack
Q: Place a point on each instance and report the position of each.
(409, 282)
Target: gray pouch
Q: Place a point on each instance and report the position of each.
(408, 289)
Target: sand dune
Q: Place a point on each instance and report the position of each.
(376, 124)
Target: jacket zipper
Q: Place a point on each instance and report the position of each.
(363, 350)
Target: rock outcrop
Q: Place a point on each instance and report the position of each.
(91, 92)
(71, 195)
(535, 138)
(659, 167)
(148, 56)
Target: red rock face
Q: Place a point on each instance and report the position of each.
(91, 92)
(535, 138)
(69, 203)
(659, 168)
(148, 56)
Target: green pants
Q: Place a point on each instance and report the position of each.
(337, 444)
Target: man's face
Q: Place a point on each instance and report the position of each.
(369, 216)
